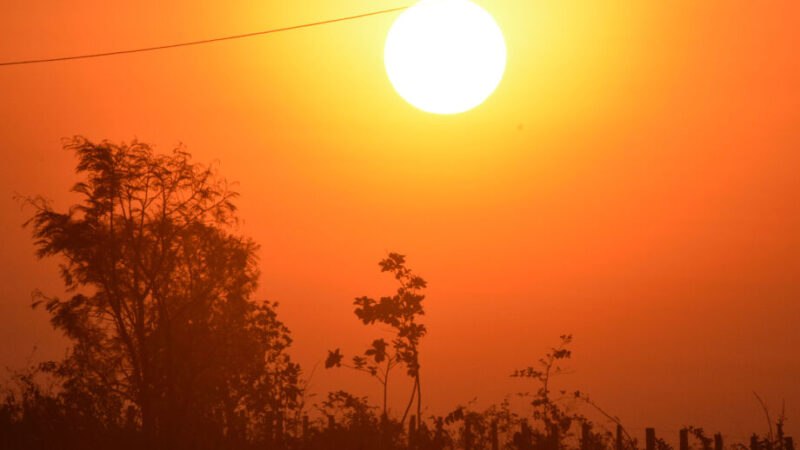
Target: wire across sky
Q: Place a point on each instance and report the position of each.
(200, 42)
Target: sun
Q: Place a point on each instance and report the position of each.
(445, 56)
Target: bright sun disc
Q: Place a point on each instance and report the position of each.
(445, 56)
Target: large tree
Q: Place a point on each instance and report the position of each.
(160, 312)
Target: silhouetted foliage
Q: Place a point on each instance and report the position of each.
(32, 415)
(352, 423)
(161, 321)
(377, 362)
(774, 438)
(478, 429)
(400, 311)
(168, 350)
(556, 421)
(706, 443)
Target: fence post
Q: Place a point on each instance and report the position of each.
(555, 438)
(467, 433)
(525, 438)
(384, 431)
(718, 441)
(495, 440)
(412, 431)
(684, 443)
(789, 443)
(754, 442)
(279, 428)
(586, 431)
(438, 436)
(619, 437)
(270, 431)
(650, 438)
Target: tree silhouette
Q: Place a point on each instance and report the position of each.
(377, 361)
(169, 350)
(160, 315)
(401, 311)
(555, 419)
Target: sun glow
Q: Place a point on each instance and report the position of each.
(445, 56)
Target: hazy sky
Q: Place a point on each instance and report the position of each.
(633, 181)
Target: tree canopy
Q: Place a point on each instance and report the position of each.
(163, 327)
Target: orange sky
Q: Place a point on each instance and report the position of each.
(632, 181)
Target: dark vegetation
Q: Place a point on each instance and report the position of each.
(169, 350)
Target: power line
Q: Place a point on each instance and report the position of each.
(200, 42)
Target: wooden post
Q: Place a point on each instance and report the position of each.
(684, 439)
(789, 443)
(305, 427)
(439, 434)
(279, 428)
(331, 421)
(718, 441)
(650, 438)
(270, 431)
(586, 432)
(619, 445)
(494, 436)
(412, 431)
(467, 433)
(525, 437)
(384, 430)
(754, 442)
(555, 437)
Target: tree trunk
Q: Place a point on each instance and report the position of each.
(410, 402)
(419, 398)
